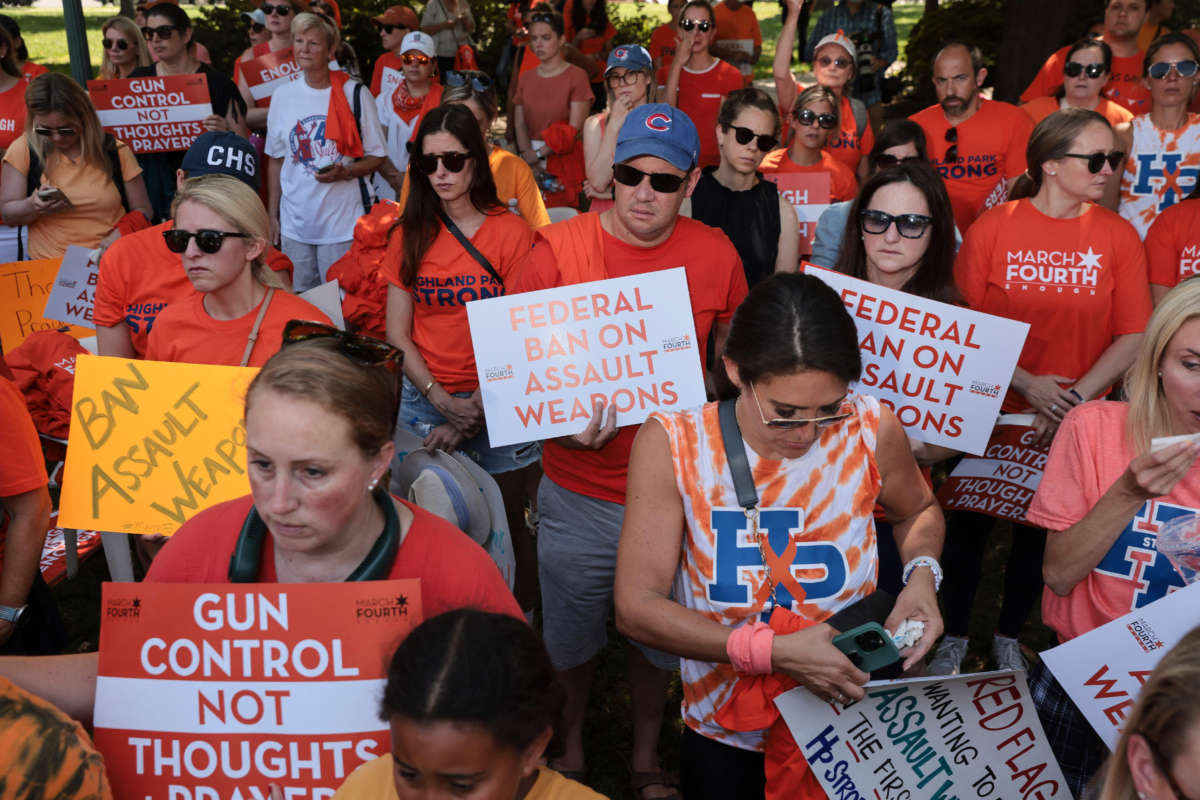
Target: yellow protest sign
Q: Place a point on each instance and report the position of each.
(24, 287)
(152, 443)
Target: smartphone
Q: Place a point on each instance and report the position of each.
(51, 193)
(324, 169)
(868, 647)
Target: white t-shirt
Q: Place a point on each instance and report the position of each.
(396, 131)
(309, 211)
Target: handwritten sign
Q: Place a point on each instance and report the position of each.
(942, 369)
(809, 193)
(545, 358)
(152, 443)
(208, 691)
(24, 288)
(268, 72)
(968, 736)
(1001, 483)
(153, 115)
(74, 291)
(1103, 670)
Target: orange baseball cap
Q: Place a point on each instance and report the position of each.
(402, 16)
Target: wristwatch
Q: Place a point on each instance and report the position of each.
(13, 614)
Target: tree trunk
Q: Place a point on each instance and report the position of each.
(1033, 29)
(127, 8)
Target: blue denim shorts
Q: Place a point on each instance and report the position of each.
(418, 415)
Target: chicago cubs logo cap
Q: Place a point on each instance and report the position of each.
(660, 130)
(632, 57)
(222, 153)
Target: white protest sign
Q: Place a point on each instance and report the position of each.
(545, 358)
(966, 736)
(942, 369)
(328, 298)
(1103, 670)
(74, 291)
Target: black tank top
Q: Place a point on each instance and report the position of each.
(750, 219)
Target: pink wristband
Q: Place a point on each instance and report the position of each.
(749, 648)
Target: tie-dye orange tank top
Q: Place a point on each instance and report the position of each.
(816, 528)
(1161, 170)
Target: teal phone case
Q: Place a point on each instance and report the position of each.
(869, 647)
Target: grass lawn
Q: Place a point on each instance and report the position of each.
(46, 38)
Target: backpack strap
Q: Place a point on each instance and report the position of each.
(34, 176)
(860, 116)
(735, 454)
(364, 193)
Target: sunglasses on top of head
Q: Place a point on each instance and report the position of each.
(763, 141)
(427, 163)
(910, 226)
(116, 44)
(209, 241)
(282, 11)
(479, 81)
(704, 25)
(1095, 161)
(1073, 69)
(661, 182)
(807, 117)
(1161, 69)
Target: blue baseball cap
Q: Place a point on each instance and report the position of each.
(222, 153)
(657, 129)
(632, 57)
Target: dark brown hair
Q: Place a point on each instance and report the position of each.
(1051, 139)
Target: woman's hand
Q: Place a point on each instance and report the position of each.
(917, 601)
(337, 172)
(1044, 429)
(621, 106)
(591, 192)
(51, 205)
(794, 6)
(1047, 396)
(1155, 474)
(684, 41)
(275, 240)
(809, 657)
(601, 429)
(464, 413)
(214, 122)
(444, 437)
(530, 156)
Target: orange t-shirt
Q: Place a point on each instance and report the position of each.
(1063, 277)
(1173, 244)
(700, 97)
(139, 277)
(449, 278)
(1041, 107)
(716, 286)
(22, 468)
(739, 28)
(388, 59)
(842, 183)
(184, 332)
(1124, 85)
(991, 152)
(12, 113)
(662, 45)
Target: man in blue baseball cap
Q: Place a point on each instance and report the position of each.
(581, 500)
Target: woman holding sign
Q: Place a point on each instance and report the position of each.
(1117, 501)
(1076, 272)
(279, 14)
(455, 243)
(699, 579)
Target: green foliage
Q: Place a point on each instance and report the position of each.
(635, 25)
(976, 21)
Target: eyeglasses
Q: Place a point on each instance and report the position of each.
(627, 78)
(116, 44)
(910, 226)
(765, 142)
(207, 240)
(415, 58)
(661, 182)
(479, 81)
(840, 63)
(1095, 161)
(885, 160)
(390, 29)
(1161, 69)
(63, 133)
(952, 137)
(1164, 766)
(704, 25)
(162, 32)
(1074, 68)
(807, 117)
(282, 11)
(790, 424)
(427, 163)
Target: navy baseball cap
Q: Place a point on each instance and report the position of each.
(632, 57)
(657, 129)
(222, 153)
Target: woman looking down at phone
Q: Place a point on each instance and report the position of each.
(820, 457)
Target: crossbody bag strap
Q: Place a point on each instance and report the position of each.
(735, 454)
(363, 192)
(470, 248)
(262, 312)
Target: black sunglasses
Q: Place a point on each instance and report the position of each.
(1074, 68)
(63, 132)
(661, 182)
(208, 241)
(116, 44)
(282, 11)
(390, 29)
(884, 160)
(427, 163)
(162, 32)
(257, 27)
(542, 17)
(765, 142)
(952, 137)
(807, 116)
(1161, 69)
(1095, 161)
(840, 63)
(704, 25)
(479, 81)
(910, 226)
(363, 350)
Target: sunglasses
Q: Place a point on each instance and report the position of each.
(257, 27)
(62, 132)
(765, 142)
(884, 160)
(952, 137)
(661, 182)
(1074, 68)
(208, 241)
(419, 59)
(362, 350)
(1095, 161)
(162, 32)
(840, 63)
(910, 226)
(390, 29)
(545, 18)
(1161, 69)
(427, 163)
(704, 25)
(807, 117)
(789, 424)
(282, 11)
(479, 81)
(116, 44)
(627, 78)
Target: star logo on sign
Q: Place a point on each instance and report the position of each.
(401, 601)
(1089, 259)
(137, 602)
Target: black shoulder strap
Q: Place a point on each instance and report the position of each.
(362, 182)
(34, 176)
(735, 454)
(114, 167)
(470, 248)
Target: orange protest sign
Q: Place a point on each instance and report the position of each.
(809, 194)
(153, 115)
(24, 287)
(209, 691)
(152, 443)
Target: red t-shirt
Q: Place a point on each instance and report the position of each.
(716, 285)
(12, 114)
(388, 59)
(184, 331)
(1173, 244)
(454, 571)
(991, 152)
(700, 97)
(139, 277)
(662, 45)
(1063, 277)
(592, 46)
(548, 100)
(22, 468)
(447, 280)
(1124, 85)
(1041, 107)
(32, 70)
(1089, 453)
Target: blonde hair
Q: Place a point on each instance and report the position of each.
(1148, 413)
(133, 35)
(52, 93)
(307, 20)
(240, 206)
(1167, 707)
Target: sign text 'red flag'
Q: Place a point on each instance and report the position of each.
(212, 691)
(24, 288)
(153, 115)
(152, 443)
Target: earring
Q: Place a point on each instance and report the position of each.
(371, 486)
